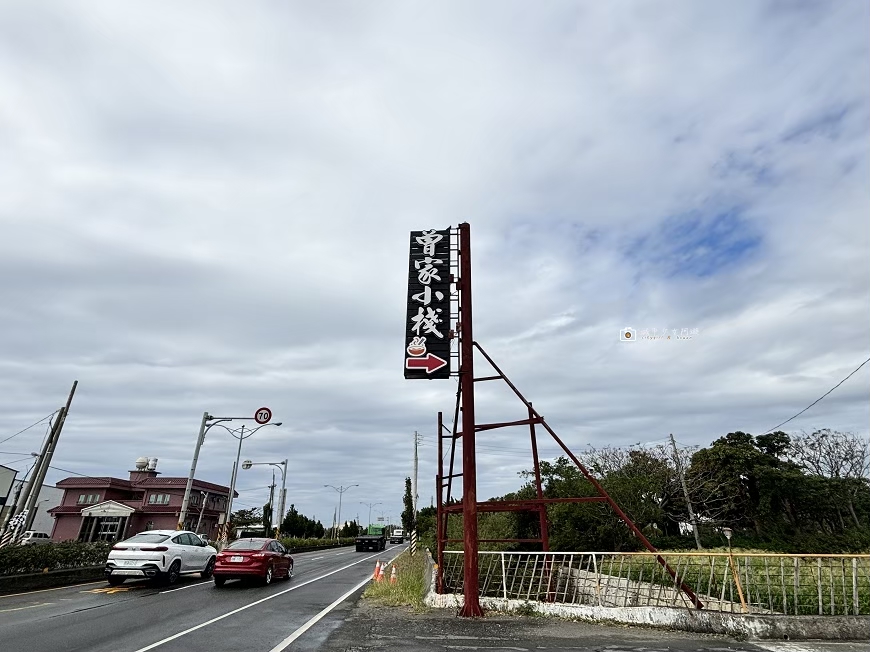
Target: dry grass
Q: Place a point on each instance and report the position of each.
(410, 583)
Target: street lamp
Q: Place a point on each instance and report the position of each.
(727, 532)
(247, 464)
(369, 505)
(241, 437)
(340, 491)
(207, 422)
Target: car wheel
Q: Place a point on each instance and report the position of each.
(289, 572)
(267, 577)
(116, 581)
(209, 569)
(219, 581)
(173, 573)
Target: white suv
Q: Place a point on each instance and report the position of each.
(32, 537)
(160, 554)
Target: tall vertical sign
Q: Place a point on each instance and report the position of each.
(427, 327)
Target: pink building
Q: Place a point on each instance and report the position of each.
(111, 509)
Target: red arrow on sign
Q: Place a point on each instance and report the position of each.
(430, 363)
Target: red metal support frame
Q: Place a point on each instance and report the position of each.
(622, 515)
(542, 508)
(469, 507)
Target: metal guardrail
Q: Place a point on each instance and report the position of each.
(740, 583)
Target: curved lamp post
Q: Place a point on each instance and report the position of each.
(247, 464)
(241, 437)
(340, 491)
(207, 422)
(369, 505)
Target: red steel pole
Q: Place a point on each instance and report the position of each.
(471, 608)
(440, 530)
(542, 510)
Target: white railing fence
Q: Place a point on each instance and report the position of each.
(740, 583)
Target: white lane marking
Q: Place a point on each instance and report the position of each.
(315, 558)
(248, 606)
(57, 588)
(783, 647)
(299, 632)
(339, 553)
(189, 586)
(31, 606)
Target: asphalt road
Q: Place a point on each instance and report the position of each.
(193, 615)
(317, 610)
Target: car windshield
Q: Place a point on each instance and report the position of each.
(147, 538)
(247, 544)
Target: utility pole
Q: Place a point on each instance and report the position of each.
(415, 493)
(272, 502)
(185, 502)
(45, 460)
(692, 518)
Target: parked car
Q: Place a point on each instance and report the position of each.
(262, 559)
(32, 537)
(160, 554)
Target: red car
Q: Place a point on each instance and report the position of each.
(263, 559)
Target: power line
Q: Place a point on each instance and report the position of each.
(820, 398)
(21, 460)
(29, 427)
(84, 475)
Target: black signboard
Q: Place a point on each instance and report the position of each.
(427, 326)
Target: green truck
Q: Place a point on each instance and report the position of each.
(374, 539)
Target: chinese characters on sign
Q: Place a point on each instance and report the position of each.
(427, 326)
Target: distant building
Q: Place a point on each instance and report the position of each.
(111, 509)
(48, 498)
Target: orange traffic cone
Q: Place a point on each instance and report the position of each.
(377, 570)
(393, 575)
(380, 577)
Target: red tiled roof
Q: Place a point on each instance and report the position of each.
(154, 483)
(180, 483)
(94, 482)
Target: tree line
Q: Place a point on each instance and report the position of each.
(778, 492)
(294, 525)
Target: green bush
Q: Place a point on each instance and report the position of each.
(15, 560)
(293, 543)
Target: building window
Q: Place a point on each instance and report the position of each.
(87, 499)
(158, 499)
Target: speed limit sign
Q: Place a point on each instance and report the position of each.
(263, 415)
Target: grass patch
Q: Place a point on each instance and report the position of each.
(410, 585)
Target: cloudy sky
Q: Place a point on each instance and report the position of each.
(206, 207)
